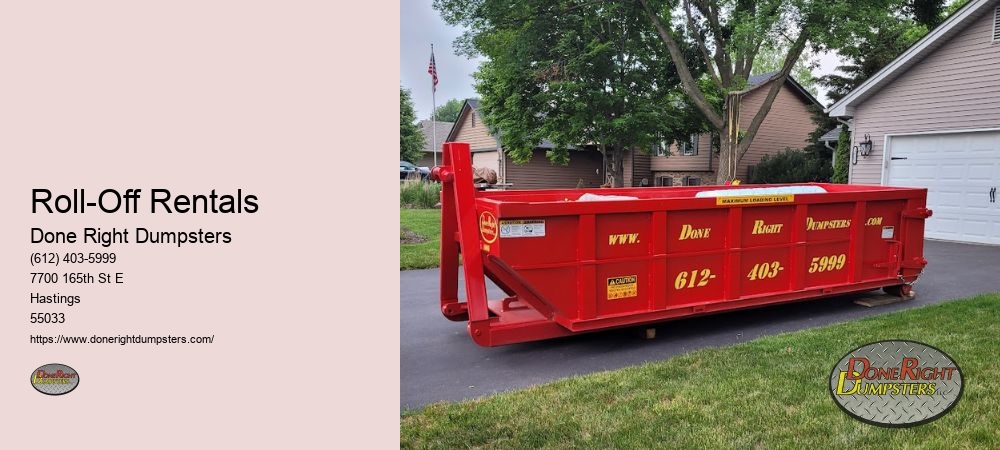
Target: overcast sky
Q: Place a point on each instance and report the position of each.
(420, 26)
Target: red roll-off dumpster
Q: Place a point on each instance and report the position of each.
(581, 260)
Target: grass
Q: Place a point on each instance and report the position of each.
(419, 194)
(767, 393)
(425, 224)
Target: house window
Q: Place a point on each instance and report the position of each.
(660, 148)
(692, 181)
(689, 147)
(996, 25)
(666, 181)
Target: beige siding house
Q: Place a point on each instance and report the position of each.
(787, 125)
(932, 119)
(584, 169)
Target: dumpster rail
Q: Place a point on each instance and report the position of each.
(582, 260)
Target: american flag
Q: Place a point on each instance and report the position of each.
(432, 69)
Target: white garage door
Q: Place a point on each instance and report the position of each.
(961, 172)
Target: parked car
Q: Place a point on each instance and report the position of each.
(408, 170)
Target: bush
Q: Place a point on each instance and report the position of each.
(419, 194)
(792, 166)
(840, 173)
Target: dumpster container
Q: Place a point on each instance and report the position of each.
(581, 260)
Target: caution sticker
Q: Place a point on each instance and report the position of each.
(754, 199)
(623, 287)
(887, 232)
(522, 228)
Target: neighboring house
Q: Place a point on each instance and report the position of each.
(584, 169)
(932, 117)
(437, 134)
(787, 125)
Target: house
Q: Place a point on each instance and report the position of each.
(584, 169)
(694, 162)
(931, 118)
(434, 134)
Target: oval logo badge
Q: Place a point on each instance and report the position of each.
(488, 227)
(896, 383)
(55, 379)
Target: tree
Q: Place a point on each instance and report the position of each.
(575, 73)
(890, 32)
(770, 58)
(449, 111)
(729, 35)
(411, 140)
(841, 170)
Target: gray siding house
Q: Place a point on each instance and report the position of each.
(932, 117)
(434, 135)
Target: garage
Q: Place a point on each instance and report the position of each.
(929, 118)
(961, 172)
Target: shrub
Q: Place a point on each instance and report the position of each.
(792, 166)
(840, 174)
(419, 194)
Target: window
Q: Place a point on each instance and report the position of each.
(689, 147)
(666, 181)
(692, 181)
(660, 148)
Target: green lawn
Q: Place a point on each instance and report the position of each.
(427, 224)
(767, 393)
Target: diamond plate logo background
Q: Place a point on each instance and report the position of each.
(56, 388)
(898, 410)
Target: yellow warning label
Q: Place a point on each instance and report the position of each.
(754, 199)
(623, 287)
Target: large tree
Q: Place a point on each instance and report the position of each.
(575, 73)
(729, 35)
(449, 111)
(411, 140)
(890, 32)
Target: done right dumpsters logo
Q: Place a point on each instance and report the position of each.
(55, 379)
(896, 383)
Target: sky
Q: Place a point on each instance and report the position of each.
(420, 26)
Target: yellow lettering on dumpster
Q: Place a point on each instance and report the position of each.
(621, 239)
(812, 225)
(754, 199)
(623, 287)
(689, 232)
(759, 227)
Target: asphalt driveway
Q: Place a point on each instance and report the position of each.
(439, 362)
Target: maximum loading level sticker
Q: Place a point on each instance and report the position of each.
(522, 228)
(623, 287)
(754, 199)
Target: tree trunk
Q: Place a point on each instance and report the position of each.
(727, 156)
(617, 169)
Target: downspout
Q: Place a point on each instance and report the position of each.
(501, 167)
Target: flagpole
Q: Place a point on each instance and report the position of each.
(434, 147)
